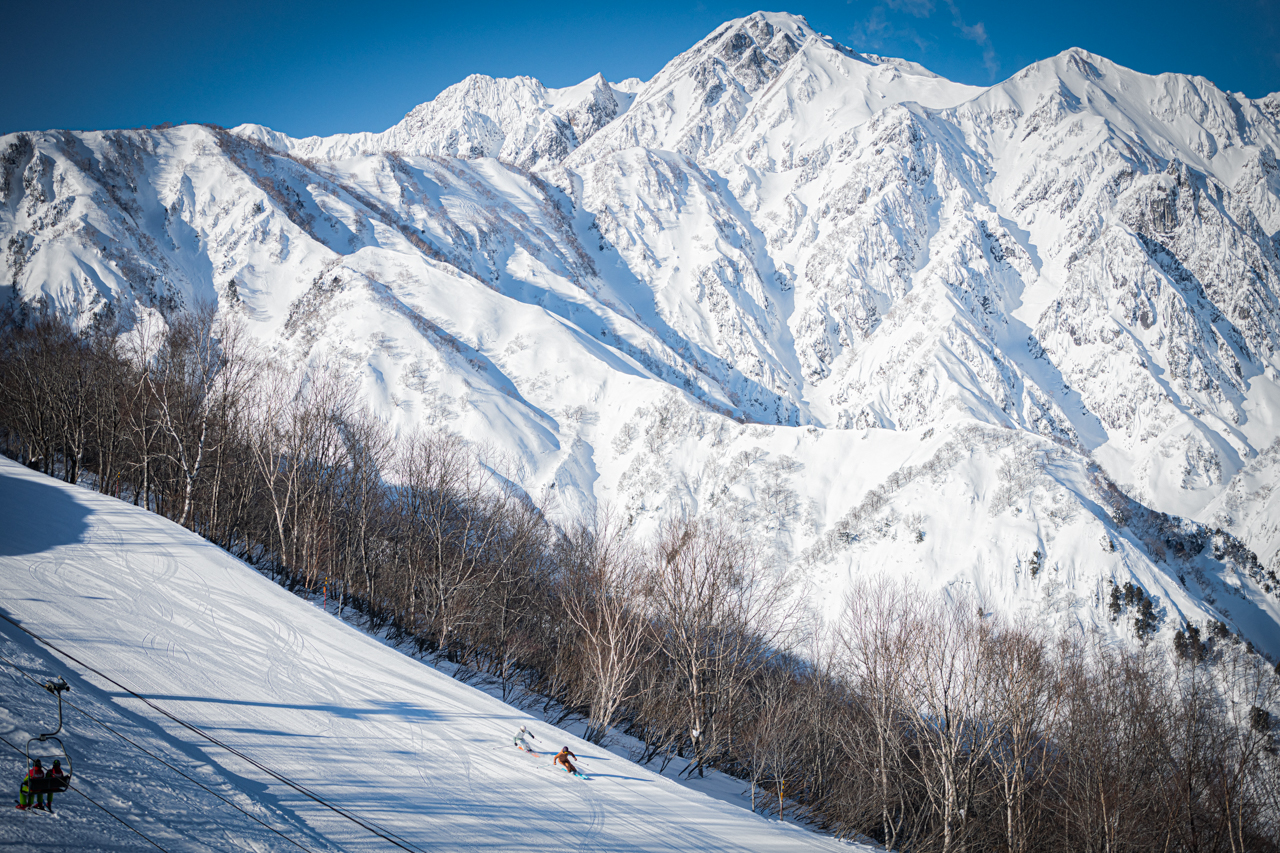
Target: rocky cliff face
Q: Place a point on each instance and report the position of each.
(1022, 338)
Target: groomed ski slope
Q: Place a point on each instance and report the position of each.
(393, 742)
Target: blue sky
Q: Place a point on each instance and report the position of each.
(326, 67)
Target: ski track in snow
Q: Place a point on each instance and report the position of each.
(211, 641)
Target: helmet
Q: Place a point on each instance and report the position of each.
(57, 763)
(564, 749)
(35, 762)
(523, 729)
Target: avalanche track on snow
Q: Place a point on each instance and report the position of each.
(181, 627)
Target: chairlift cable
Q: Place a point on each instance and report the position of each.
(126, 824)
(373, 828)
(160, 760)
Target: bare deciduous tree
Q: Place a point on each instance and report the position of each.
(601, 580)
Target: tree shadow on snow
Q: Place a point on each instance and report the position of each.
(372, 709)
(36, 513)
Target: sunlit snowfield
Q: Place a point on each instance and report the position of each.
(423, 761)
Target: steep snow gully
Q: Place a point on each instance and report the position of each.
(887, 321)
(212, 710)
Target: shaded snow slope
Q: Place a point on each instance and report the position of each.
(395, 743)
(805, 254)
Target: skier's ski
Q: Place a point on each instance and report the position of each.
(530, 759)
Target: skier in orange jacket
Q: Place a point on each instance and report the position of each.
(562, 758)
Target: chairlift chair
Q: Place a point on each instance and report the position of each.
(54, 749)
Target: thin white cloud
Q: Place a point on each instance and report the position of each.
(918, 8)
(879, 30)
(976, 33)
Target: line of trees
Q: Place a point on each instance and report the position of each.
(921, 724)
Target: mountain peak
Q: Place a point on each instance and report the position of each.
(797, 25)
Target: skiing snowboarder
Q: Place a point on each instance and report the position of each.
(520, 741)
(562, 758)
(24, 794)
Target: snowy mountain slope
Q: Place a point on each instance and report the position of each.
(517, 120)
(417, 278)
(1022, 522)
(396, 744)
(767, 282)
(1121, 182)
(1013, 153)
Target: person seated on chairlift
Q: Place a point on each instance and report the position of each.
(57, 781)
(25, 793)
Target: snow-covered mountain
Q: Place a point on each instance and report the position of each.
(517, 120)
(1022, 338)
